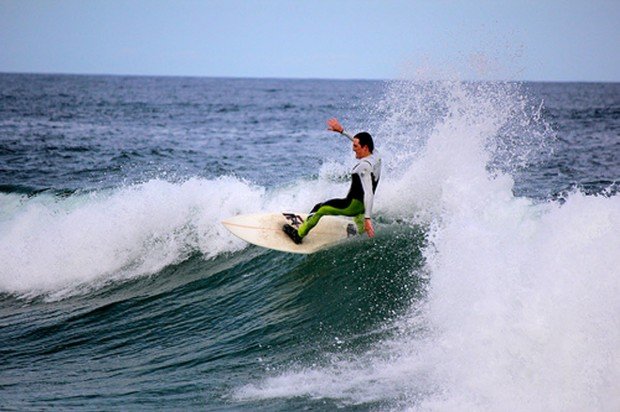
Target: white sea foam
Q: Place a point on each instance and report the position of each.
(524, 305)
(59, 246)
(49, 244)
(523, 308)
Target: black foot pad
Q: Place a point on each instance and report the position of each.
(292, 233)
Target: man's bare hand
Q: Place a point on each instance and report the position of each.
(334, 125)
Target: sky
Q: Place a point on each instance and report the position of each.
(541, 40)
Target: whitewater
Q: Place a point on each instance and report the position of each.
(522, 310)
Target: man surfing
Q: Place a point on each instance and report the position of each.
(358, 203)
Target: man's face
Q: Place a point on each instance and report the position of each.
(360, 151)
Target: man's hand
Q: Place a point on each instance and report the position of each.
(334, 125)
(369, 229)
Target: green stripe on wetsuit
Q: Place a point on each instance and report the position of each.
(355, 208)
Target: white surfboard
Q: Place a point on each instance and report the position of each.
(266, 230)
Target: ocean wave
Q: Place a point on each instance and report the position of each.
(469, 298)
(59, 244)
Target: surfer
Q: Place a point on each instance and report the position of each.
(358, 203)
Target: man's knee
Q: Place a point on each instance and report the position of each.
(316, 207)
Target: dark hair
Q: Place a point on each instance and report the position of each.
(365, 139)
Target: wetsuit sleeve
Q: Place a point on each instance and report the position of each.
(347, 134)
(365, 174)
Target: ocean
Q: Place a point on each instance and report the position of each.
(493, 282)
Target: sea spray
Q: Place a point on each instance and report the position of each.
(524, 306)
(521, 310)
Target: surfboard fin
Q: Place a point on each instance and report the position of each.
(292, 233)
(351, 230)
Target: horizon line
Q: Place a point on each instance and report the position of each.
(300, 78)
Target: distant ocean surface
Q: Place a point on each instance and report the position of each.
(493, 282)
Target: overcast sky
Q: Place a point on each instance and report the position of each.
(550, 40)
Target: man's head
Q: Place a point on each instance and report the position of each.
(363, 145)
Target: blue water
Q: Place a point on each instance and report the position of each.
(492, 283)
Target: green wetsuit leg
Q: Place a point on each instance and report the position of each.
(353, 208)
